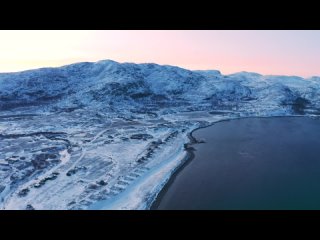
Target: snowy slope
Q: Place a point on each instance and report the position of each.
(137, 85)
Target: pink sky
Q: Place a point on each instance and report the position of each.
(266, 52)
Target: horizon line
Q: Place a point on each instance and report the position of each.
(177, 66)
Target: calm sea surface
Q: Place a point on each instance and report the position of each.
(253, 163)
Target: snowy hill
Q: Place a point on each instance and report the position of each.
(108, 83)
(93, 135)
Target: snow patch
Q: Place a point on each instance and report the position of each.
(64, 156)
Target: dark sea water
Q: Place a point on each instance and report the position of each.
(253, 163)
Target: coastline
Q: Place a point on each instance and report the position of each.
(140, 194)
(146, 193)
(156, 201)
(190, 155)
(187, 160)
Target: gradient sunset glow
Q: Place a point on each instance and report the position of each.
(265, 52)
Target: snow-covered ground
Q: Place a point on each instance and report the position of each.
(107, 135)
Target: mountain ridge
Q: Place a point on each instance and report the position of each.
(110, 83)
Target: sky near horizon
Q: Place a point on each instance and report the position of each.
(265, 52)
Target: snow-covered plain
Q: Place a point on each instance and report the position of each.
(107, 135)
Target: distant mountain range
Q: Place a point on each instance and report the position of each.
(111, 86)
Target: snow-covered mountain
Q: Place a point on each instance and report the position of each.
(107, 84)
(95, 135)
